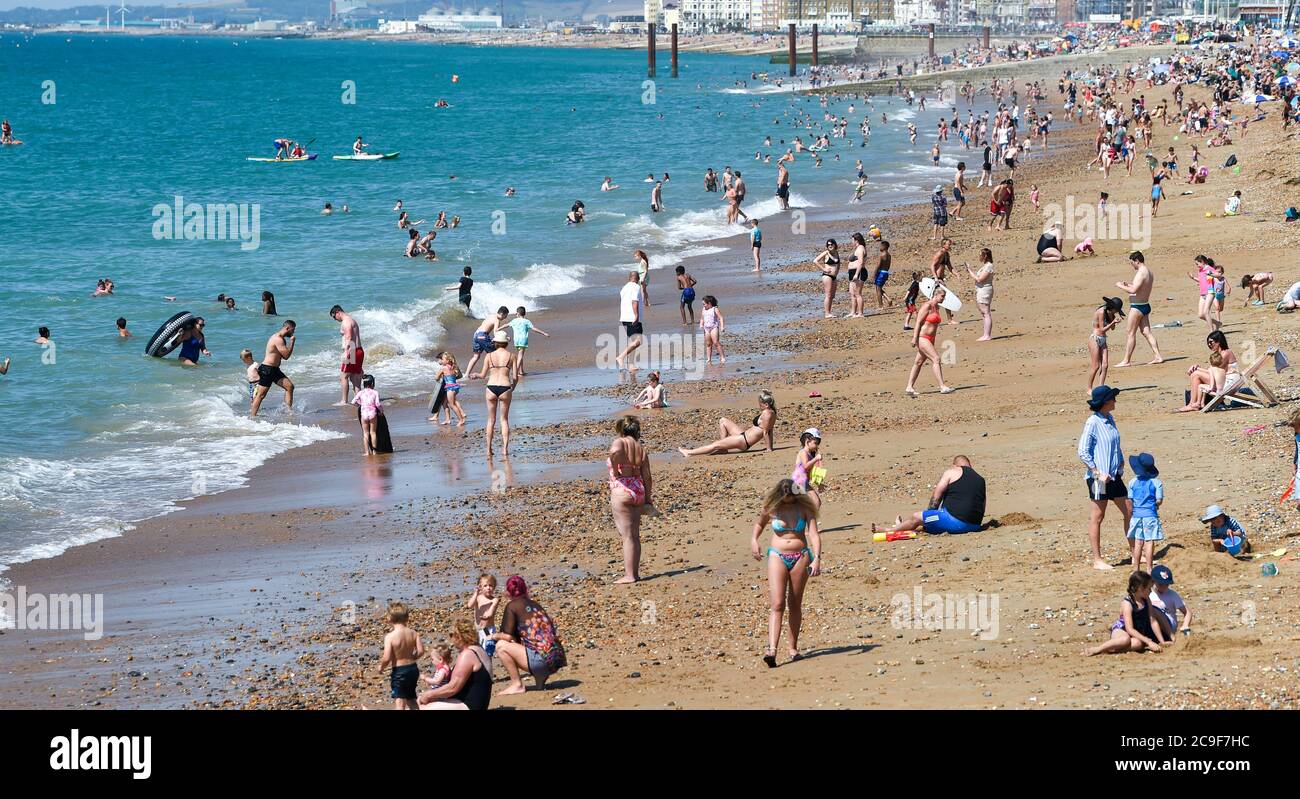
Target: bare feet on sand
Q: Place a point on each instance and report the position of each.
(1101, 565)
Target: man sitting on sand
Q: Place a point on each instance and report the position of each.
(957, 505)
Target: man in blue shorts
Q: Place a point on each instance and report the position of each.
(957, 505)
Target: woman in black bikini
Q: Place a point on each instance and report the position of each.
(740, 440)
(500, 389)
(829, 261)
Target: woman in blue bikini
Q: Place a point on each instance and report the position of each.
(793, 556)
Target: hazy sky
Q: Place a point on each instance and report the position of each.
(9, 5)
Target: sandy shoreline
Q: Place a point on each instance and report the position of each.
(690, 635)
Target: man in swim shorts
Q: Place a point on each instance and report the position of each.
(1139, 320)
(354, 357)
(279, 347)
(957, 505)
(483, 342)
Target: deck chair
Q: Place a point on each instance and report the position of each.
(1250, 389)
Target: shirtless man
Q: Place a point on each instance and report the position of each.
(783, 186)
(1139, 304)
(939, 266)
(657, 197)
(354, 357)
(483, 342)
(739, 185)
(279, 347)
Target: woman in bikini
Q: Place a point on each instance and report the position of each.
(629, 491)
(829, 261)
(734, 438)
(928, 320)
(793, 556)
(1221, 375)
(1105, 319)
(500, 389)
(857, 276)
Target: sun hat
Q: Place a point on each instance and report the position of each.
(501, 337)
(1211, 513)
(938, 188)
(1101, 395)
(814, 432)
(1114, 304)
(1162, 575)
(1144, 465)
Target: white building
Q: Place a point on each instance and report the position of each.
(909, 12)
(654, 12)
(398, 26)
(436, 19)
(715, 14)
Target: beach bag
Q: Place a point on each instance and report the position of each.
(1232, 161)
(1291, 214)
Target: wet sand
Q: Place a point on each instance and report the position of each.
(229, 605)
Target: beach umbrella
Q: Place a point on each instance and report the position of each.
(1258, 98)
(1281, 54)
(1285, 80)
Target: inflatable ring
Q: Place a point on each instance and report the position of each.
(158, 342)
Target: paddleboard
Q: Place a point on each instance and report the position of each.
(158, 342)
(308, 157)
(367, 157)
(950, 302)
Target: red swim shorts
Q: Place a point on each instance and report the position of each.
(353, 366)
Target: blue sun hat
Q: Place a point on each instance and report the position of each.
(1100, 396)
(1162, 575)
(1144, 465)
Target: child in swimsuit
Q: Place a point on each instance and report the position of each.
(1136, 629)
(440, 657)
(368, 400)
(808, 465)
(484, 604)
(450, 377)
(402, 650)
(913, 291)
(251, 374)
(713, 325)
(687, 284)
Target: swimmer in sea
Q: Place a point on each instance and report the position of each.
(608, 184)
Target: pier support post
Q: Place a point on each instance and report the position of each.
(986, 37)
(930, 30)
(674, 49)
(814, 43)
(650, 48)
(792, 51)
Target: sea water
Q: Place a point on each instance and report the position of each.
(98, 436)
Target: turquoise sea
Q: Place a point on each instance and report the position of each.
(99, 436)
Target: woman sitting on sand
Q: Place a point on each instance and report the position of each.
(654, 395)
(927, 327)
(734, 438)
(793, 556)
(527, 640)
(1049, 245)
(1221, 375)
(630, 485)
(829, 261)
(1104, 319)
(470, 684)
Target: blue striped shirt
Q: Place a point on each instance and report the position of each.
(1099, 446)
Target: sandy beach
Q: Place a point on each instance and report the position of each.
(272, 596)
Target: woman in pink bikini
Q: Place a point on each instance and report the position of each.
(629, 491)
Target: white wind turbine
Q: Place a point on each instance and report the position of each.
(122, 12)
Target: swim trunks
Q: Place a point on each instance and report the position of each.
(881, 276)
(1143, 308)
(941, 521)
(483, 342)
(352, 366)
(1145, 528)
(632, 328)
(688, 296)
(404, 680)
(268, 376)
(957, 195)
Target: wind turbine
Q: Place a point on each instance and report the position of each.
(122, 12)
